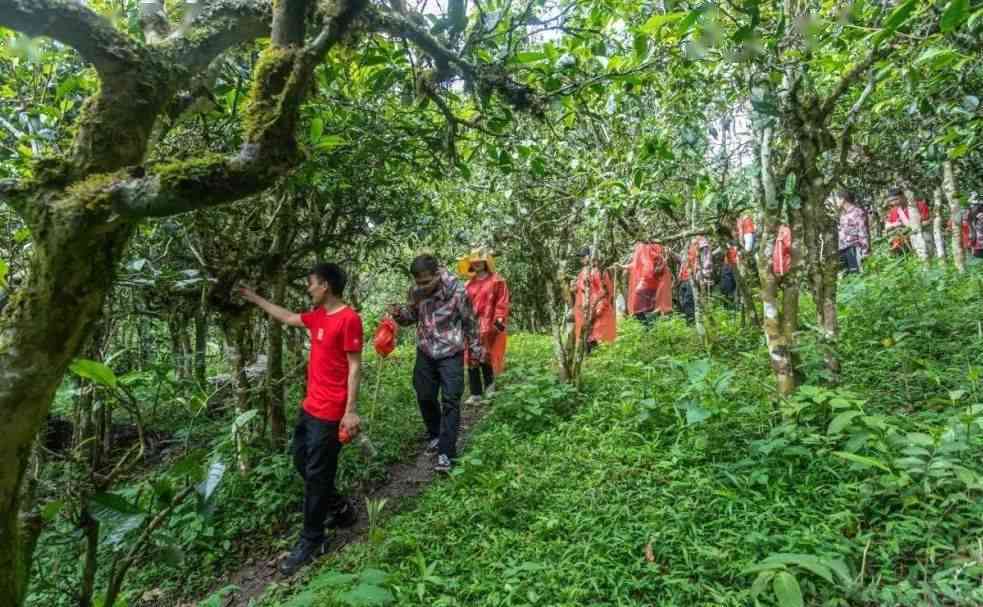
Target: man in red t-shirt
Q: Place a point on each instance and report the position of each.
(333, 372)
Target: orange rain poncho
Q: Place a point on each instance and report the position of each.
(745, 232)
(781, 257)
(649, 280)
(490, 299)
(605, 322)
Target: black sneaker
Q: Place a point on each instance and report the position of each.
(344, 518)
(303, 553)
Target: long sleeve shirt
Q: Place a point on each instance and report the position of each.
(445, 320)
(853, 229)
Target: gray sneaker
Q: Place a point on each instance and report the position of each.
(443, 464)
(432, 445)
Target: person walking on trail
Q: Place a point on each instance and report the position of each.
(649, 282)
(695, 275)
(853, 242)
(446, 326)
(333, 374)
(898, 219)
(489, 296)
(728, 275)
(600, 303)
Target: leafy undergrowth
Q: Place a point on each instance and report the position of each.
(246, 516)
(674, 478)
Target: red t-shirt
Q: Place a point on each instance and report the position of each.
(333, 336)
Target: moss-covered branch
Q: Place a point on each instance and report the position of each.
(487, 78)
(219, 26)
(76, 25)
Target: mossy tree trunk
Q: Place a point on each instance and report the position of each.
(83, 211)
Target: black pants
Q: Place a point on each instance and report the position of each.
(646, 318)
(687, 303)
(849, 260)
(480, 377)
(446, 377)
(316, 448)
(728, 283)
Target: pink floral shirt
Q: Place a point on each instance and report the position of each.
(853, 229)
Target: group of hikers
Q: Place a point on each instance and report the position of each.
(462, 320)
(459, 325)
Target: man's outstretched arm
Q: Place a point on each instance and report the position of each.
(281, 314)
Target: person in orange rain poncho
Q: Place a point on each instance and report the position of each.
(489, 296)
(746, 233)
(604, 322)
(649, 282)
(781, 256)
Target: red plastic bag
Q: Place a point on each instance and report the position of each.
(385, 337)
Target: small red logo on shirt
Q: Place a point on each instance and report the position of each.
(320, 334)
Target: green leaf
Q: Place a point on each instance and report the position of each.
(119, 516)
(208, 486)
(52, 509)
(329, 142)
(761, 582)
(373, 576)
(695, 414)
(243, 419)
(954, 15)
(366, 595)
(866, 462)
(317, 130)
(656, 22)
(841, 421)
(806, 561)
(4, 268)
(787, 590)
(94, 371)
(895, 20)
(529, 57)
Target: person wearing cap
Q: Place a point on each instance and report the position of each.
(649, 282)
(489, 296)
(853, 242)
(898, 218)
(600, 303)
(446, 326)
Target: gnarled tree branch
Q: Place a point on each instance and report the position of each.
(491, 78)
(217, 27)
(76, 25)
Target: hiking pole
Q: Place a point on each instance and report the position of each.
(364, 443)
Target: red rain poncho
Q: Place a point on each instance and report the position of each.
(745, 232)
(605, 322)
(897, 217)
(698, 260)
(781, 257)
(385, 337)
(490, 299)
(649, 280)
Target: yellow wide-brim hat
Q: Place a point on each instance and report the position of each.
(464, 263)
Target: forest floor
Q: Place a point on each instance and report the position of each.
(403, 482)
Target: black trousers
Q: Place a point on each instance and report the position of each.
(439, 383)
(480, 377)
(687, 303)
(850, 260)
(315, 449)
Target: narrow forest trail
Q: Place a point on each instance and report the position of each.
(403, 481)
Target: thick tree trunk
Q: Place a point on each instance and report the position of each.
(201, 346)
(41, 329)
(937, 231)
(276, 390)
(238, 337)
(917, 230)
(90, 528)
(955, 215)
